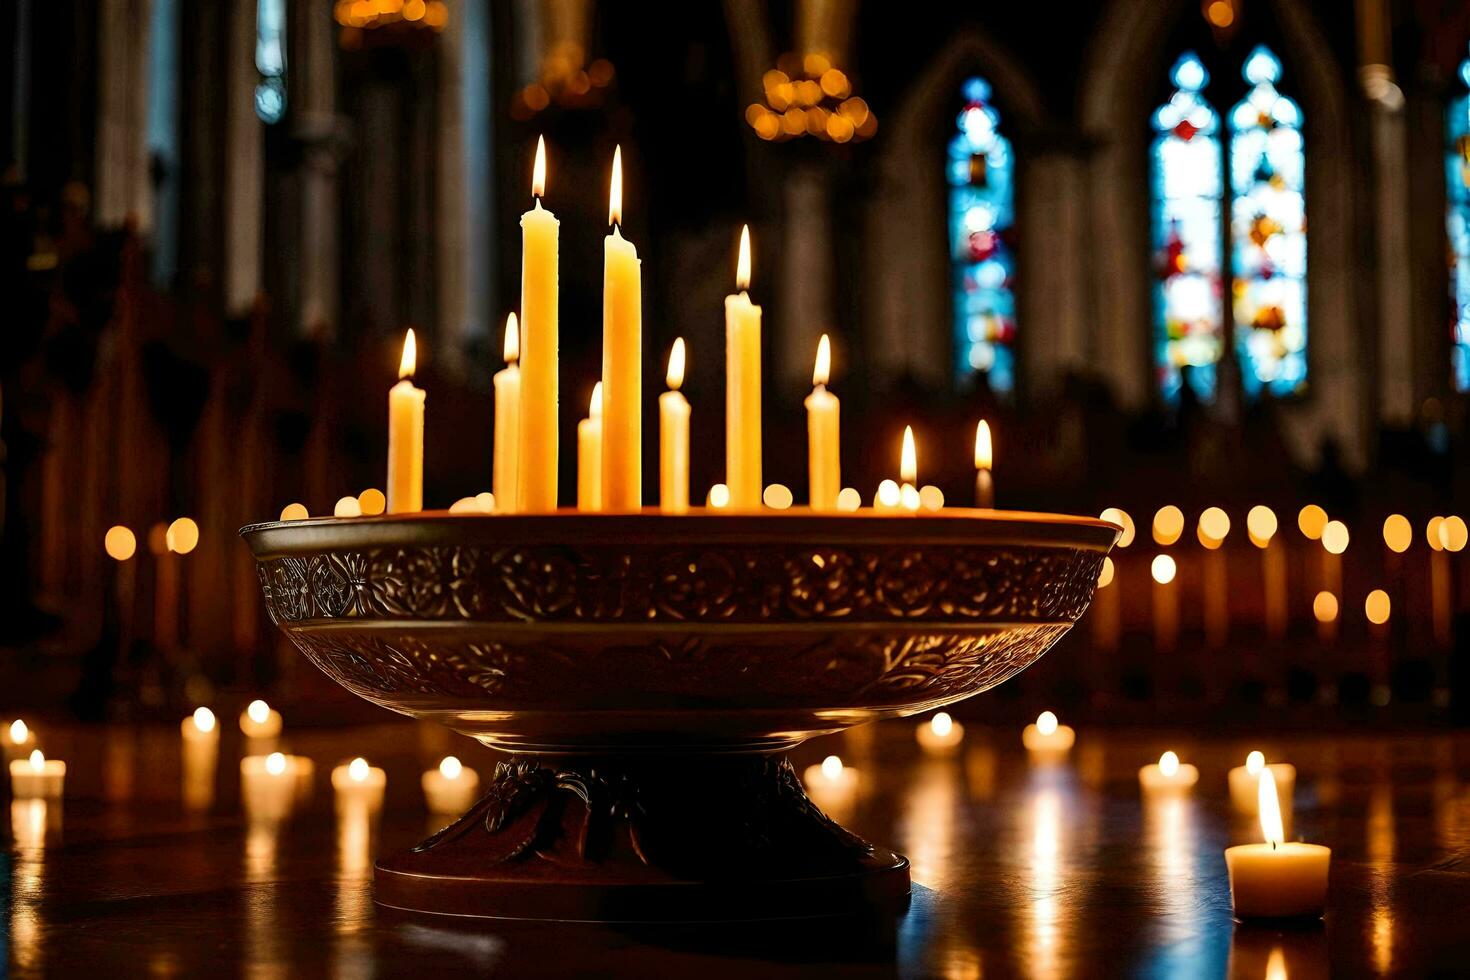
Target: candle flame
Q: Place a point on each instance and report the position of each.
(908, 465)
(719, 496)
(675, 376)
(832, 767)
(357, 769)
(204, 719)
(1270, 808)
(538, 172)
(38, 761)
(1169, 764)
(258, 711)
(1254, 763)
(1276, 964)
(888, 494)
(275, 763)
(615, 194)
(450, 767)
(594, 407)
(942, 724)
(742, 264)
(19, 732)
(410, 359)
(512, 347)
(823, 369)
(984, 453)
(1046, 723)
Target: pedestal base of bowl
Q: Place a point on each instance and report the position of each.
(680, 839)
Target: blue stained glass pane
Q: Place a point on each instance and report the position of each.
(1457, 224)
(981, 174)
(1268, 233)
(1187, 172)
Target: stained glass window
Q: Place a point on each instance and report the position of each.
(1187, 185)
(1457, 219)
(981, 170)
(1268, 231)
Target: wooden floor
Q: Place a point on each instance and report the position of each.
(1018, 870)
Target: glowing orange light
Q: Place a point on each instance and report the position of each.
(1214, 524)
(1377, 607)
(823, 369)
(1432, 533)
(742, 264)
(1121, 518)
(594, 405)
(1311, 519)
(372, 502)
(675, 376)
(410, 359)
(1168, 524)
(1046, 723)
(1220, 13)
(538, 170)
(1260, 525)
(120, 543)
(1163, 569)
(182, 536)
(777, 496)
(719, 496)
(1324, 607)
(1335, 537)
(1398, 533)
(1105, 577)
(1270, 809)
(615, 192)
(294, 512)
(1453, 534)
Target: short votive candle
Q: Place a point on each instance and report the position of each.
(940, 735)
(357, 782)
(1168, 775)
(19, 740)
(451, 788)
(1277, 879)
(1046, 739)
(269, 784)
(37, 777)
(832, 786)
(260, 720)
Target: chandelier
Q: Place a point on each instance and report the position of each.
(809, 96)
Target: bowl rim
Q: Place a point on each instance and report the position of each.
(799, 526)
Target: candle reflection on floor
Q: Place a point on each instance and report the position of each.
(1382, 847)
(353, 902)
(1264, 953)
(927, 826)
(1043, 817)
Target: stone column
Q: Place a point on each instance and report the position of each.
(244, 166)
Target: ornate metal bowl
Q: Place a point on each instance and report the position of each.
(600, 639)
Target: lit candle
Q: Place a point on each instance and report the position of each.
(1046, 740)
(19, 740)
(589, 454)
(622, 360)
(1276, 880)
(1168, 775)
(269, 783)
(824, 467)
(719, 497)
(743, 388)
(406, 437)
(540, 341)
(200, 732)
(450, 789)
(673, 438)
(37, 777)
(940, 735)
(506, 462)
(908, 473)
(984, 458)
(359, 783)
(260, 720)
(1245, 788)
(832, 787)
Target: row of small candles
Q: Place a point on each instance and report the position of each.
(610, 438)
(270, 782)
(1276, 879)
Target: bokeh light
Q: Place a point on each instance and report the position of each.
(120, 543)
(1168, 524)
(182, 536)
(1163, 569)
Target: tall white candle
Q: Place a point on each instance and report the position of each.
(506, 464)
(406, 436)
(984, 458)
(540, 339)
(824, 467)
(743, 388)
(673, 438)
(622, 360)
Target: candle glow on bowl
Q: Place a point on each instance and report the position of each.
(1047, 740)
(1168, 775)
(1277, 879)
(37, 777)
(450, 789)
(1245, 785)
(940, 735)
(260, 720)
